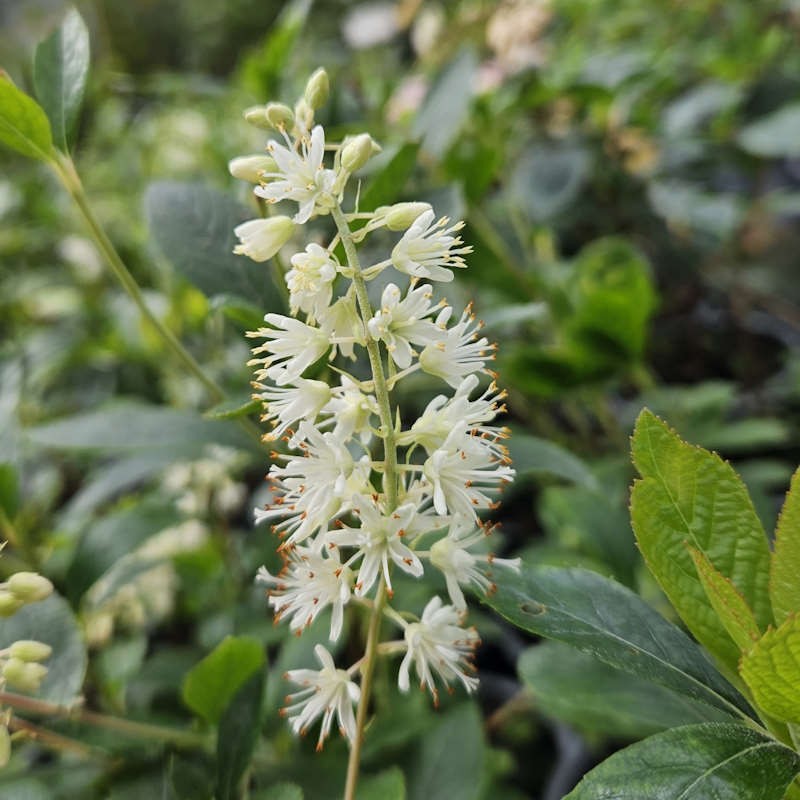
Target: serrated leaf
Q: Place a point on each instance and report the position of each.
(772, 671)
(60, 70)
(450, 758)
(716, 760)
(192, 225)
(23, 124)
(577, 688)
(388, 785)
(690, 496)
(239, 729)
(609, 621)
(784, 577)
(210, 685)
(51, 621)
(727, 601)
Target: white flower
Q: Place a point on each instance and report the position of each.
(459, 353)
(293, 346)
(311, 281)
(308, 584)
(286, 405)
(313, 488)
(462, 470)
(351, 410)
(451, 555)
(428, 250)
(401, 323)
(301, 177)
(436, 644)
(343, 326)
(262, 238)
(326, 692)
(380, 540)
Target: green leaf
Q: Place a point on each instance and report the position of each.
(51, 621)
(775, 135)
(281, 791)
(690, 496)
(698, 762)
(235, 408)
(531, 454)
(123, 573)
(685, 206)
(23, 123)
(59, 75)
(192, 225)
(603, 618)
(388, 785)
(450, 759)
(210, 685)
(727, 601)
(581, 690)
(784, 578)
(9, 490)
(772, 671)
(386, 185)
(447, 105)
(239, 729)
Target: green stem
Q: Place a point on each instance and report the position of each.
(390, 480)
(142, 730)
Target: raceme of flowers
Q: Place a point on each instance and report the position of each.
(363, 492)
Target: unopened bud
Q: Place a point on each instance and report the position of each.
(317, 89)
(252, 168)
(23, 675)
(279, 116)
(5, 746)
(9, 603)
(260, 239)
(304, 114)
(29, 586)
(257, 115)
(30, 650)
(357, 151)
(401, 216)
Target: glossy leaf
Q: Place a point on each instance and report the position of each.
(51, 621)
(727, 601)
(60, 71)
(690, 496)
(23, 124)
(577, 688)
(772, 671)
(210, 685)
(610, 622)
(784, 578)
(698, 762)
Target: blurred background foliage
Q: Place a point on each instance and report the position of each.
(629, 171)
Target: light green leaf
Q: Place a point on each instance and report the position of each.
(775, 135)
(690, 496)
(239, 728)
(450, 758)
(51, 621)
(388, 785)
(59, 75)
(727, 601)
(610, 622)
(192, 225)
(210, 685)
(581, 690)
(784, 578)
(23, 123)
(698, 762)
(772, 671)
(531, 454)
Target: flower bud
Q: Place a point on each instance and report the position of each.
(252, 168)
(29, 586)
(23, 675)
(262, 238)
(401, 216)
(257, 115)
(357, 151)
(30, 650)
(9, 603)
(279, 116)
(317, 89)
(5, 746)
